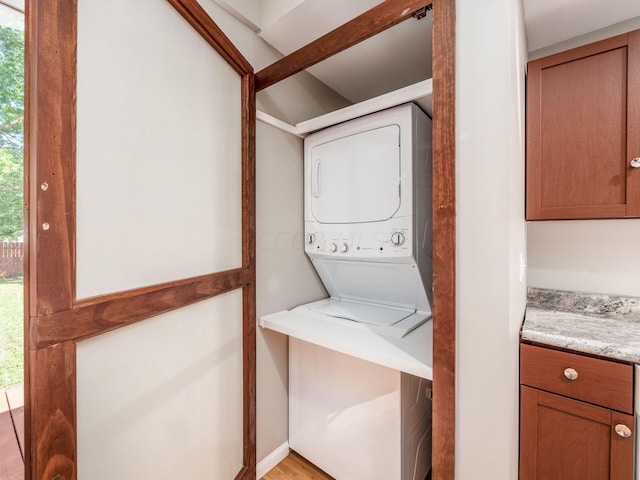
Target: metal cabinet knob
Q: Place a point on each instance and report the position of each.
(623, 430)
(570, 374)
(635, 163)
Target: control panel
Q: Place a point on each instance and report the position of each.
(360, 241)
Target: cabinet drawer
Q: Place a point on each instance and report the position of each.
(601, 382)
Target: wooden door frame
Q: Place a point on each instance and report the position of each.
(54, 319)
(376, 20)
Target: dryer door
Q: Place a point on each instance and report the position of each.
(356, 179)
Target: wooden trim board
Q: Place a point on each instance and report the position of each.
(249, 264)
(50, 138)
(198, 18)
(444, 241)
(91, 318)
(50, 73)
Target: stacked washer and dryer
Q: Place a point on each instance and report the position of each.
(368, 234)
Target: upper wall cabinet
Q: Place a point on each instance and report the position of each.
(583, 132)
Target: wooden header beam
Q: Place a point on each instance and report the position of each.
(200, 20)
(370, 23)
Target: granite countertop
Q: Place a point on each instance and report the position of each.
(603, 325)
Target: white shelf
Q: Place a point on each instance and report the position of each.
(412, 354)
(419, 93)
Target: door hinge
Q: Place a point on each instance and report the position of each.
(420, 14)
(429, 392)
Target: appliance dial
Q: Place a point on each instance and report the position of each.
(397, 238)
(344, 248)
(311, 238)
(333, 247)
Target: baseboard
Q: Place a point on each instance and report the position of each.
(271, 460)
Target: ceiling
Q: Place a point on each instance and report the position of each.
(552, 21)
(401, 55)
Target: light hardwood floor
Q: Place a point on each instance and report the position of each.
(294, 467)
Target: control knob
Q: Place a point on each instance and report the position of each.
(397, 238)
(311, 238)
(333, 247)
(344, 248)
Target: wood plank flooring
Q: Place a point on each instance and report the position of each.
(294, 467)
(11, 435)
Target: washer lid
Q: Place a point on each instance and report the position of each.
(363, 312)
(356, 179)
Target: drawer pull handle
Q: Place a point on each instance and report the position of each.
(623, 430)
(570, 374)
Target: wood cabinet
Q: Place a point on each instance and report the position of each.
(563, 435)
(583, 130)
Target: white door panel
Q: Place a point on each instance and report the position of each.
(162, 398)
(158, 150)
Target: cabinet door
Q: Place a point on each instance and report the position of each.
(561, 438)
(583, 129)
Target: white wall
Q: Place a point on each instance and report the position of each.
(273, 10)
(285, 277)
(258, 14)
(490, 55)
(600, 34)
(247, 11)
(597, 256)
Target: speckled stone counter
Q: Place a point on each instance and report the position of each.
(604, 325)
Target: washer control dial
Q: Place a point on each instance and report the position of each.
(397, 238)
(311, 238)
(333, 247)
(344, 248)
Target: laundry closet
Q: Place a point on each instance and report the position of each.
(360, 361)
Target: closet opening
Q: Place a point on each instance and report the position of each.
(432, 61)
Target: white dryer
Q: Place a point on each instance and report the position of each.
(368, 219)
